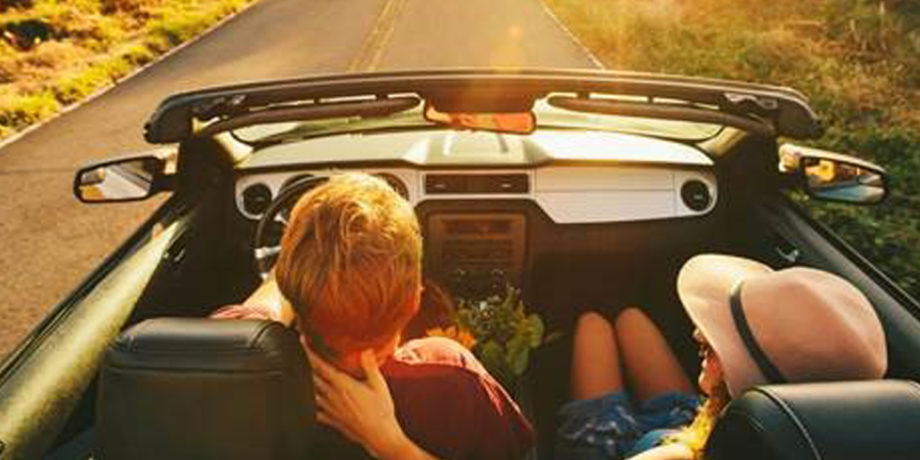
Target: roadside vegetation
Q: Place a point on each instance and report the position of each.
(56, 52)
(857, 60)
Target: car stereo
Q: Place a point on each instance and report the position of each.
(476, 255)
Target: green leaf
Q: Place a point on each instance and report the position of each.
(553, 336)
(518, 354)
(535, 330)
(492, 356)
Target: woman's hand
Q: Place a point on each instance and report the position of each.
(363, 411)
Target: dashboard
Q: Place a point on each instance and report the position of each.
(476, 250)
(568, 195)
(490, 203)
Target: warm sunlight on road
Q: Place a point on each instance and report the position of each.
(53, 242)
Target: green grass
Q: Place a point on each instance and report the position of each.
(55, 52)
(857, 60)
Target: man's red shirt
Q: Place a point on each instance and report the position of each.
(445, 400)
(449, 404)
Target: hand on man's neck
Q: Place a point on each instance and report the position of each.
(351, 362)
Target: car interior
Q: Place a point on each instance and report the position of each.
(576, 225)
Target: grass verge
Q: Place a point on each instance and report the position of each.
(54, 53)
(857, 60)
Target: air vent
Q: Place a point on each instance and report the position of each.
(695, 194)
(476, 183)
(256, 199)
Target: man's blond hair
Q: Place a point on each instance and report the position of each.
(350, 263)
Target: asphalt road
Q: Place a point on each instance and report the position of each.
(51, 242)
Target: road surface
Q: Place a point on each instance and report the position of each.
(51, 242)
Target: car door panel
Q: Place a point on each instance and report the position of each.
(46, 377)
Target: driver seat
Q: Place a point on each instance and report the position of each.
(878, 420)
(205, 389)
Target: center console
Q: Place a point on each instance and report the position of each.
(476, 254)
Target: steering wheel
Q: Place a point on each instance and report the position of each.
(266, 244)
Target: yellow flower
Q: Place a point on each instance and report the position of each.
(466, 339)
(436, 332)
(458, 334)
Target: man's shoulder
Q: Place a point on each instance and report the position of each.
(433, 356)
(442, 373)
(449, 404)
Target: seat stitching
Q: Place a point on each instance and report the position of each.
(795, 419)
(914, 386)
(260, 332)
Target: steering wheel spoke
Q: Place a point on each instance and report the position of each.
(267, 241)
(270, 251)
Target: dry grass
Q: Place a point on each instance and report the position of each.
(857, 60)
(54, 53)
(851, 60)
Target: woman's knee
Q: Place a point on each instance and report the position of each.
(633, 326)
(591, 323)
(631, 318)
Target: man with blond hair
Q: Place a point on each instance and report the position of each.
(349, 277)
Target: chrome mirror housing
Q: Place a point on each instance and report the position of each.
(832, 176)
(128, 178)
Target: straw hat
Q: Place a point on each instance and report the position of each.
(806, 324)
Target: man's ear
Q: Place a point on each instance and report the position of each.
(417, 299)
(388, 348)
(304, 344)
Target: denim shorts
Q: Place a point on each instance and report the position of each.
(611, 427)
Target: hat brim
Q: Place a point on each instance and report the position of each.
(704, 285)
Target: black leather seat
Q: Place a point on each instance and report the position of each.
(205, 389)
(872, 420)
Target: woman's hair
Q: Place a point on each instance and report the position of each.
(350, 263)
(695, 434)
(435, 311)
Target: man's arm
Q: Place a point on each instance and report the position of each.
(266, 302)
(268, 297)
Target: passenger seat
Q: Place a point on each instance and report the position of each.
(870, 420)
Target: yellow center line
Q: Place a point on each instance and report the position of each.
(372, 49)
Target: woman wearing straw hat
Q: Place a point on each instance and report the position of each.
(754, 325)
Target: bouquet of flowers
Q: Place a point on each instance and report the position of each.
(499, 331)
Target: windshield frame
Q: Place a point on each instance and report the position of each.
(547, 117)
(785, 111)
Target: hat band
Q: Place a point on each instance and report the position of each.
(744, 330)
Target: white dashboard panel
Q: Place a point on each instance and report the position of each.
(567, 194)
(586, 179)
(607, 206)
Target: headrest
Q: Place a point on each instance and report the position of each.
(205, 389)
(828, 421)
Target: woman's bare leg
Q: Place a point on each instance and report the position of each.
(648, 362)
(595, 362)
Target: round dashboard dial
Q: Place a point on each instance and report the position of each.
(395, 183)
(256, 198)
(695, 195)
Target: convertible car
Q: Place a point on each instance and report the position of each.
(583, 189)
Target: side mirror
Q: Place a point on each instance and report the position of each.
(831, 176)
(129, 178)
